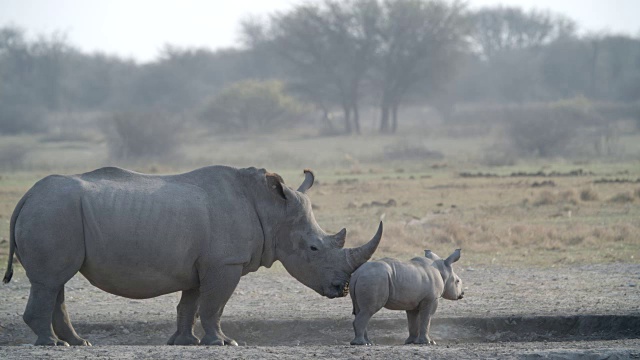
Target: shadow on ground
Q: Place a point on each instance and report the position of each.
(381, 331)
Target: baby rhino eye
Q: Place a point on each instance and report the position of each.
(313, 248)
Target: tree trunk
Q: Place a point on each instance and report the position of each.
(347, 118)
(394, 115)
(356, 117)
(384, 118)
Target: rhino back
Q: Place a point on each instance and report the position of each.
(161, 228)
(411, 283)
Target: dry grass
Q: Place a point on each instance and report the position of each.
(499, 220)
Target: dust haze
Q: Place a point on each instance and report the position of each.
(498, 129)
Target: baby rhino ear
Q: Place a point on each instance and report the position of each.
(453, 257)
(431, 255)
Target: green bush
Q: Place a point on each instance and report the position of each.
(547, 130)
(252, 105)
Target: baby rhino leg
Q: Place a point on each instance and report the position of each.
(426, 313)
(369, 296)
(414, 325)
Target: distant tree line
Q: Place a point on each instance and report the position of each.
(334, 55)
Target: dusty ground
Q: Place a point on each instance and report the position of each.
(589, 312)
(547, 274)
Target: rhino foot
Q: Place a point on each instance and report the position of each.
(426, 341)
(213, 340)
(80, 342)
(360, 342)
(49, 341)
(183, 339)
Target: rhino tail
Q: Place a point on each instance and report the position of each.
(12, 240)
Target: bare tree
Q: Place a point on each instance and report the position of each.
(499, 29)
(330, 45)
(420, 41)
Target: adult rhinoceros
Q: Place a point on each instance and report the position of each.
(141, 236)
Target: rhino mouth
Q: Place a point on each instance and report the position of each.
(340, 289)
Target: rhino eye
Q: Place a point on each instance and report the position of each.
(313, 248)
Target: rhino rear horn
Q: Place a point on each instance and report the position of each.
(453, 257)
(360, 255)
(338, 239)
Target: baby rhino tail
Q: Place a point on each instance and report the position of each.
(352, 292)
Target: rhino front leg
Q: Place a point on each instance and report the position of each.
(62, 323)
(187, 310)
(39, 314)
(214, 294)
(414, 325)
(426, 313)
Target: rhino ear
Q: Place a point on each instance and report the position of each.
(431, 255)
(276, 184)
(453, 257)
(308, 181)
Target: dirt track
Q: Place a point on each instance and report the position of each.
(591, 311)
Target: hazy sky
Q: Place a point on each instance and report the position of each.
(139, 28)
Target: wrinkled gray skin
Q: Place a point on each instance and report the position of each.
(141, 236)
(415, 286)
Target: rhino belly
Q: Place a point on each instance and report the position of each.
(142, 245)
(138, 283)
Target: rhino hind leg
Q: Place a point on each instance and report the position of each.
(360, 328)
(39, 312)
(187, 310)
(426, 313)
(414, 326)
(62, 324)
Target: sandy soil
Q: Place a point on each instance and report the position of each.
(589, 312)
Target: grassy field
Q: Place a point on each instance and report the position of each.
(569, 216)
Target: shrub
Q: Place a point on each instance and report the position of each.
(252, 105)
(546, 130)
(12, 155)
(16, 118)
(549, 198)
(622, 198)
(143, 135)
(405, 150)
(588, 195)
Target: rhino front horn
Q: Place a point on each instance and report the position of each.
(360, 255)
(308, 181)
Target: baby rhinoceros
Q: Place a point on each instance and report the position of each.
(415, 287)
